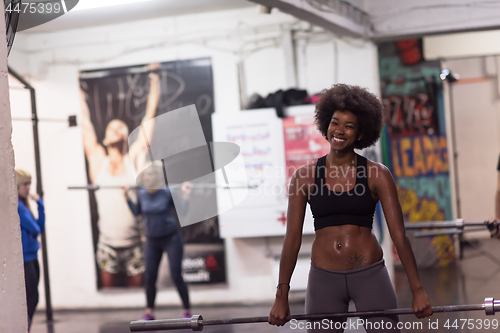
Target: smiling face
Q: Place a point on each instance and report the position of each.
(343, 132)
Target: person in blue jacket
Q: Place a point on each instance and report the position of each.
(30, 229)
(156, 205)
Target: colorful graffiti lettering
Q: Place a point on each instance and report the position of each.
(435, 188)
(410, 115)
(418, 208)
(419, 156)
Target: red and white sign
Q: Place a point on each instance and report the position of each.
(304, 144)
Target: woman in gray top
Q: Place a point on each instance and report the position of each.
(155, 204)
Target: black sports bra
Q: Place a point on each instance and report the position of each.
(331, 208)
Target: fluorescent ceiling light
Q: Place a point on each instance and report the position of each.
(91, 4)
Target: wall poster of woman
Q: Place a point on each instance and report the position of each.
(114, 102)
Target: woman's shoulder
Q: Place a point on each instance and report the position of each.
(377, 171)
(305, 174)
(23, 210)
(376, 165)
(21, 205)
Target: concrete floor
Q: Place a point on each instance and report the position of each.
(469, 281)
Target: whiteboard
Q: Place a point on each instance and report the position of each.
(259, 133)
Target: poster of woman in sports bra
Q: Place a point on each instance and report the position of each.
(114, 102)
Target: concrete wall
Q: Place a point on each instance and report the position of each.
(51, 62)
(13, 315)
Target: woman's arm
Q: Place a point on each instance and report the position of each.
(94, 152)
(135, 208)
(387, 192)
(41, 214)
(27, 220)
(138, 149)
(297, 202)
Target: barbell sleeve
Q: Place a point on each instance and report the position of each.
(459, 224)
(195, 323)
(438, 232)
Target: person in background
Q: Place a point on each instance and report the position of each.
(30, 229)
(155, 204)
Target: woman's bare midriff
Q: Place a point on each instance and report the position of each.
(345, 247)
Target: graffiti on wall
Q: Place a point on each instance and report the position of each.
(426, 204)
(415, 156)
(415, 148)
(416, 208)
(410, 115)
(420, 164)
(434, 189)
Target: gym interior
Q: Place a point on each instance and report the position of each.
(252, 72)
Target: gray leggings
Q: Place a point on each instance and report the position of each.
(369, 287)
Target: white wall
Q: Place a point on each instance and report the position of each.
(52, 66)
(461, 45)
(476, 110)
(475, 104)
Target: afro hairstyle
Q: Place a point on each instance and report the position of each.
(363, 104)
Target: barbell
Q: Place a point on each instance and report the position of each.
(458, 224)
(92, 187)
(196, 322)
(447, 227)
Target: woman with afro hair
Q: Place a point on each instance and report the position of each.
(343, 189)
